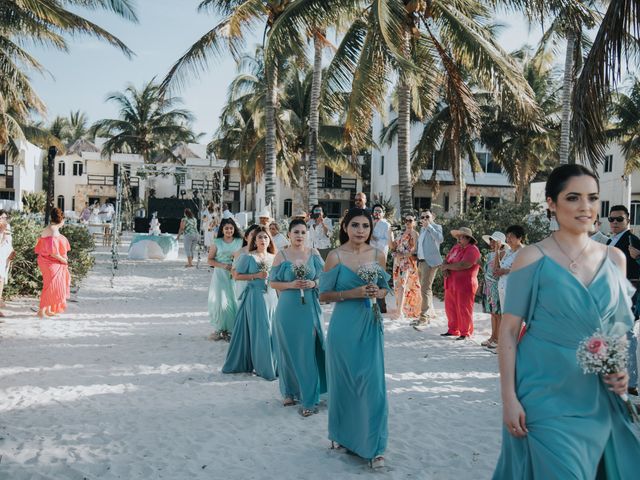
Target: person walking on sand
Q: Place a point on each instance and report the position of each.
(429, 260)
(52, 249)
(189, 228)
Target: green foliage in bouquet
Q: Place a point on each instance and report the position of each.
(25, 278)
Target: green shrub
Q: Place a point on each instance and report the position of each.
(34, 202)
(25, 275)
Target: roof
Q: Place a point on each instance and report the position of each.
(82, 145)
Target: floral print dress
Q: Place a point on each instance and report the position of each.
(405, 274)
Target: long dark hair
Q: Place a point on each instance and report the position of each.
(188, 213)
(561, 175)
(247, 232)
(351, 214)
(228, 221)
(260, 229)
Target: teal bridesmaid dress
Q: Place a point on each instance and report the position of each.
(223, 305)
(252, 348)
(297, 328)
(578, 429)
(357, 395)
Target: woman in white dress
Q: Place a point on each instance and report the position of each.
(208, 221)
(515, 237)
(6, 252)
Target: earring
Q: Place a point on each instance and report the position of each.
(553, 223)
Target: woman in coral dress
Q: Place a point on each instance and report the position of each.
(52, 249)
(406, 280)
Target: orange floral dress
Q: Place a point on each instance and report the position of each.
(405, 273)
(56, 280)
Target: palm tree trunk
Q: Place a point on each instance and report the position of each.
(404, 160)
(270, 139)
(460, 183)
(314, 119)
(567, 86)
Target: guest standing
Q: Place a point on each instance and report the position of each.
(320, 229)
(208, 223)
(622, 239)
(251, 348)
(382, 239)
(429, 260)
(52, 249)
(460, 270)
(223, 305)
(360, 200)
(6, 253)
(355, 354)
(279, 240)
(559, 422)
(490, 295)
(297, 326)
(406, 281)
(596, 235)
(189, 228)
(502, 264)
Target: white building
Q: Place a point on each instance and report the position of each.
(20, 174)
(490, 187)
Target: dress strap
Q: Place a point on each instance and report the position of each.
(284, 255)
(338, 255)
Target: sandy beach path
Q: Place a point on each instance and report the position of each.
(125, 385)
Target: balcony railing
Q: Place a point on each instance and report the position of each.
(208, 185)
(9, 176)
(338, 183)
(110, 180)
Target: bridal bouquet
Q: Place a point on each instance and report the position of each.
(300, 270)
(264, 266)
(603, 354)
(369, 274)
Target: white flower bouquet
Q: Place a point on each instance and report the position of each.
(369, 274)
(301, 271)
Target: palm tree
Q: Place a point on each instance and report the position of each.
(148, 123)
(229, 35)
(626, 125)
(46, 22)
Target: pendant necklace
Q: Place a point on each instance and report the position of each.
(573, 266)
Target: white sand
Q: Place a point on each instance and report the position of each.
(125, 385)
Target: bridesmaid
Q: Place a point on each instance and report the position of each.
(223, 305)
(251, 348)
(355, 346)
(559, 422)
(297, 326)
(246, 240)
(52, 249)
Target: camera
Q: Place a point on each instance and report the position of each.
(315, 215)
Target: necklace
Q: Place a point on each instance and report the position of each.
(573, 266)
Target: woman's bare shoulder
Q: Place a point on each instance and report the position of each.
(527, 256)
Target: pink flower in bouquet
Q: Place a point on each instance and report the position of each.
(597, 346)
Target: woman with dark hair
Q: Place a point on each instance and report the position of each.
(189, 227)
(558, 421)
(246, 240)
(251, 348)
(355, 350)
(502, 266)
(223, 305)
(297, 325)
(460, 269)
(52, 249)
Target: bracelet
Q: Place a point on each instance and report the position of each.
(340, 299)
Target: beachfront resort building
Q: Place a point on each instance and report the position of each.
(20, 173)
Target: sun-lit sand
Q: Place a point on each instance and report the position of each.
(125, 385)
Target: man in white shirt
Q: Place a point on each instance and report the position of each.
(320, 229)
(382, 239)
(597, 235)
(429, 260)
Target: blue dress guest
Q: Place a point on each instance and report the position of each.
(356, 386)
(252, 348)
(297, 326)
(560, 423)
(222, 304)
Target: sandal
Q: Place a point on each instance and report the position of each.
(288, 402)
(307, 412)
(337, 446)
(377, 462)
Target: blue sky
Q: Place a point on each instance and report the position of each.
(81, 78)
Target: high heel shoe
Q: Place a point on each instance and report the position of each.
(377, 462)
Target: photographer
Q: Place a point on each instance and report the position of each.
(320, 231)
(429, 259)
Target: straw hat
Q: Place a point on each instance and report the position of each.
(497, 236)
(466, 231)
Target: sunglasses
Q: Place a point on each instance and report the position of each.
(616, 219)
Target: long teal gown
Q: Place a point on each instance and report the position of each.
(252, 347)
(578, 429)
(223, 305)
(357, 394)
(298, 331)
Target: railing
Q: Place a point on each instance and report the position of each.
(339, 183)
(110, 180)
(208, 185)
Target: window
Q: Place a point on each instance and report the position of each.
(487, 163)
(608, 163)
(61, 167)
(604, 208)
(73, 203)
(486, 203)
(634, 212)
(61, 202)
(7, 195)
(332, 179)
(446, 202)
(77, 169)
(3, 163)
(382, 165)
(288, 207)
(421, 203)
